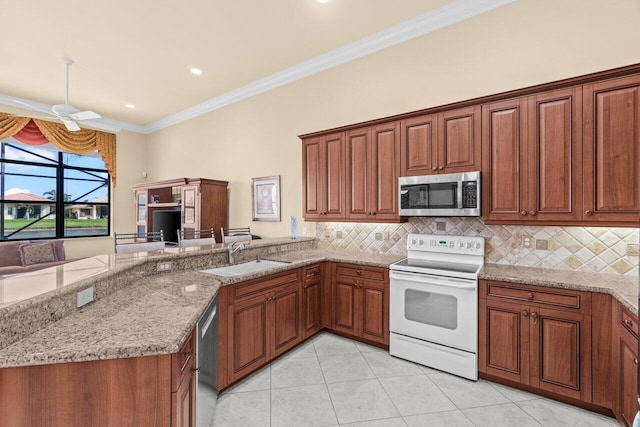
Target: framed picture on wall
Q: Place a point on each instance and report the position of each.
(265, 194)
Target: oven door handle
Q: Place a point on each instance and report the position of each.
(427, 279)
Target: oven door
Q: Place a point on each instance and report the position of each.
(433, 308)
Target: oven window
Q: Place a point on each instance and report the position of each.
(431, 308)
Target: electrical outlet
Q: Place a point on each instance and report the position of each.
(304, 231)
(385, 235)
(378, 236)
(542, 245)
(163, 266)
(527, 241)
(339, 234)
(84, 297)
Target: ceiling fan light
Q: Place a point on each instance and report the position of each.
(130, 106)
(196, 71)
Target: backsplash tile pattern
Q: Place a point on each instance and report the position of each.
(594, 249)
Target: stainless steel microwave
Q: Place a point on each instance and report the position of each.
(453, 194)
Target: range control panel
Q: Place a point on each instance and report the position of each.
(446, 244)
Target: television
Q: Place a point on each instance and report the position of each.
(169, 222)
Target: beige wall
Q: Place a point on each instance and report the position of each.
(519, 45)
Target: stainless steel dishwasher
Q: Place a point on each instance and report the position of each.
(207, 363)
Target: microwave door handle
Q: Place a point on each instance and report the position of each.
(459, 194)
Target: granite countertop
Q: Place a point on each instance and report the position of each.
(622, 288)
(152, 316)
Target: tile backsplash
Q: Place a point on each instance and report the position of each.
(595, 249)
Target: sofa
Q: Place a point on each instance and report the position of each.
(23, 256)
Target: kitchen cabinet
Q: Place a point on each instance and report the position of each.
(625, 371)
(312, 300)
(612, 150)
(154, 390)
(323, 165)
(446, 142)
(373, 169)
(183, 396)
(361, 302)
(202, 204)
(536, 336)
(532, 156)
(263, 321)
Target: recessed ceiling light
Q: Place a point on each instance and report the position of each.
(323, 1)
(196, 71)
(129, 105)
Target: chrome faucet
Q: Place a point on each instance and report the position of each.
(232, 251)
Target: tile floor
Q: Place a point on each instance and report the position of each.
(331, 381)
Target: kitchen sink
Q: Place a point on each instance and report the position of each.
(244, 268)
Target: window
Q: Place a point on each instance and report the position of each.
(47, 193)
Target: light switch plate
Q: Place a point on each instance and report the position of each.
(84, 297)
(163, 266)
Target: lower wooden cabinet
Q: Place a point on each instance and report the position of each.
(312, 300)
(264, 320)
(183, 396)
(535, 336)
(625, 372)
(361, 302)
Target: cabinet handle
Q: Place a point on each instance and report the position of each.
(532, 213)
(534, 316)
(525, 313)
(186, 360)
(441, 167)
(635, 361)
(628, 323)
(588, 212)
(530, 295)
(523, 213)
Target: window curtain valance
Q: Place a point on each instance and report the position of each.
(37, 132)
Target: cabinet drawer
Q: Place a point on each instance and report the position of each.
(253, 287)
(358, 282)
(357, 271)
(535, 294)
(311, 272)
(629, 321)
(183, 361)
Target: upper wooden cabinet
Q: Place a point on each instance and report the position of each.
(532, 159)
(446, 142)
(612, 150)
(323, 166)
(373, 165)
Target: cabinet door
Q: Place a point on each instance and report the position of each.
(285, 312)
(334, 186)
(554, 143)
(504, 340)
(345, 307)
(358, 204)
(418, 150)
(311, 306)
(248, 336)
(561, 352)
(627, 376)
(190, 208)
(459, 140)
(140, 202)
(185, 404)
(504, 160)
(612, 150)
(384, 166)
(374, 312)
(314, 177)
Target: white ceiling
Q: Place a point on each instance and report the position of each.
(140, 51)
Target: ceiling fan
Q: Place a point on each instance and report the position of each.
(67, 114)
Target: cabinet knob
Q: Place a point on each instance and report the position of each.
(534, 316)
(588, 212)
(525, 313)
(530, 295)
(359, 272)
(532, 213)
(635, 361)
(628, 322)
(523, 213)
(434, 168)
(441, 167)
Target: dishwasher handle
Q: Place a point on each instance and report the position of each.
(208, 322)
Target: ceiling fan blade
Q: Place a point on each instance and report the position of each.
(85, 115)
(71, 125)
(99, 125)
(33, 107)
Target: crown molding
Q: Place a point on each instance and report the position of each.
(444, 16)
